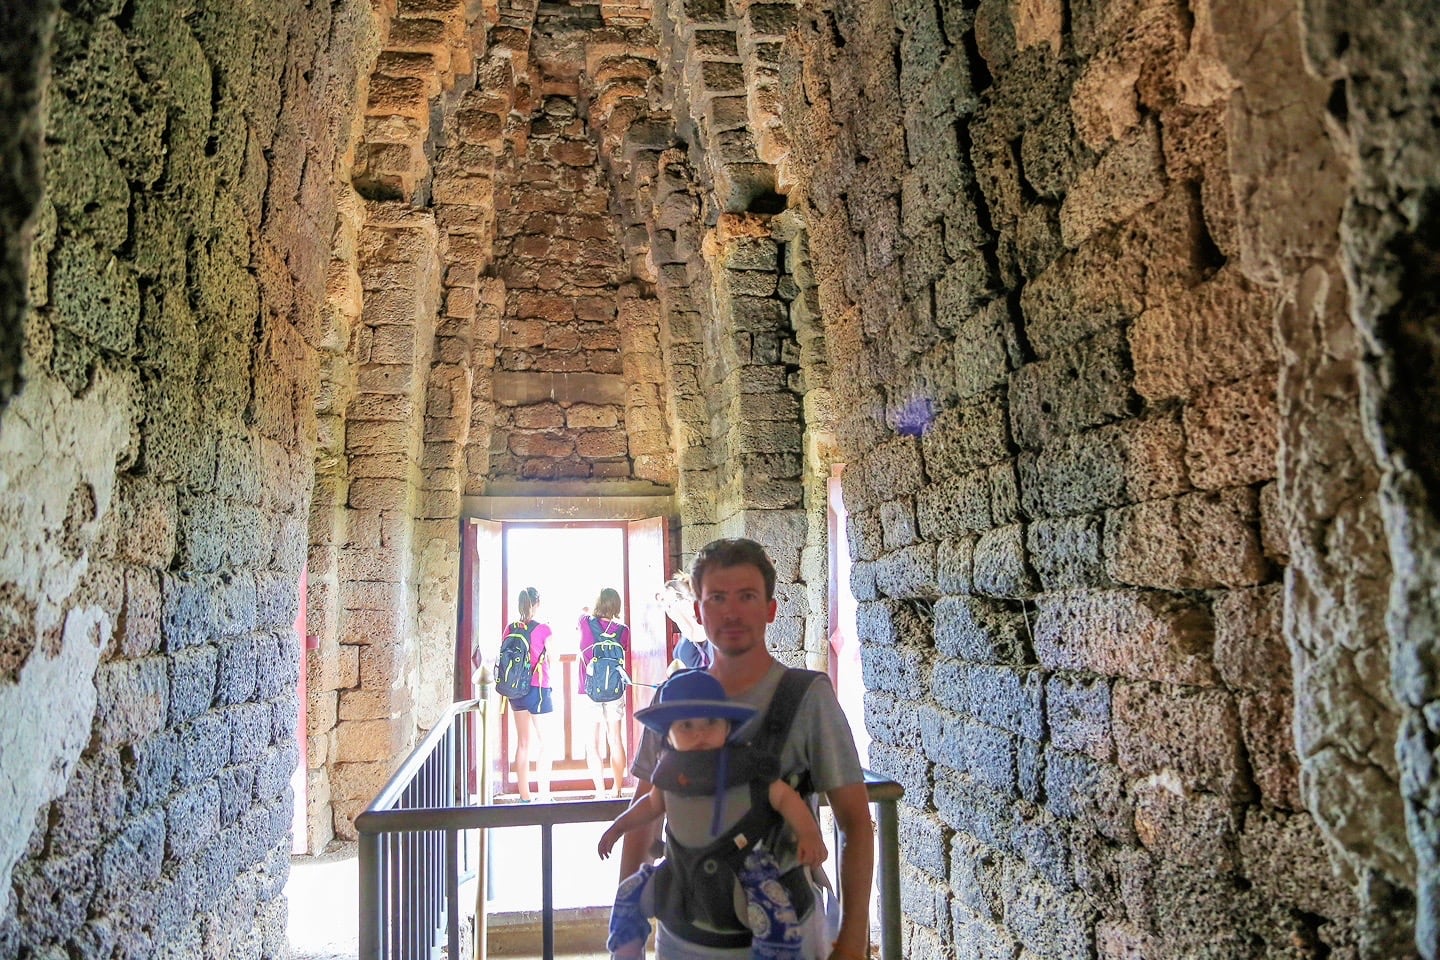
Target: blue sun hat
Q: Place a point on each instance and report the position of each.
(692, 693)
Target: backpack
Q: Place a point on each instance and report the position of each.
(605, 673)
(694, 888)
(514, 673)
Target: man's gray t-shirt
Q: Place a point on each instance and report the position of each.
(819, 741)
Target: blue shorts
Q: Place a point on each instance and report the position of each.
(537, 701)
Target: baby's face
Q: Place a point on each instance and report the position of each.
(699, 733)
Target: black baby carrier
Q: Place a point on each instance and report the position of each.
(695, 886)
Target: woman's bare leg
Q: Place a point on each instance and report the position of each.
(617, 753)
(542, 759)
(524, 724)
(594, 755)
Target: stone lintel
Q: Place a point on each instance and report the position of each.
(518, 388)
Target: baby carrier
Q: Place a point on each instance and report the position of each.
(694, 887)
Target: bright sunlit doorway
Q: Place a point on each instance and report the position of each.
(568, 563)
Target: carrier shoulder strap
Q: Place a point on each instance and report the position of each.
(784, 705)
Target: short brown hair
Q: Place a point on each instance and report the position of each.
(732, 552)
(607, 605)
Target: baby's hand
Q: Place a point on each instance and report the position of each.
(607, 843)
(811, 849)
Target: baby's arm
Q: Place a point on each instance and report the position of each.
(797, 814)
(644, 810)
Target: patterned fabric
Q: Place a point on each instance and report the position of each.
(777, 933)
(629, 927)
(772, 919)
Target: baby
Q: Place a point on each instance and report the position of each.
(699, 768)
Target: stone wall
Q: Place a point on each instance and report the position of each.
(1091, 535)
(26, 28)
(1379, 67)
(156, 471)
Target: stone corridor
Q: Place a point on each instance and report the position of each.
(1116, 318)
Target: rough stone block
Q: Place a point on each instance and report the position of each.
(370, 740)
(379, 493)
(1267, 720)
(1082, 385)
(149, 770)
(1197, 540)
(1080, 788)
(132, 859)
(94, 296)
(875, 621)
(1185, 827)
(954, 565)
(1145, 546)
(192, 682)
(1286, 858)
(890, 470)
(1048, 922)
(955, 506)
(139, 628)
(250, 729)
(1078, 713)
(909, 572)
(192, 817)
(237, 670)
(1216, 332)
(274, 770)
(923, 841)
(1153, 449)
(1232, 434)
(921, 897)
(204, 749)
(1137, 634)
(965, 438)
(1000, 564)
(1065, 553)
(907, 767)
(50, 898)
(132, 699)
(989, 757)
(981, 631)
(1002, 697)
(1250, 648)
(1155, 728)
(1128, 177)
(1078, 474)
(897, 670)
(897, 520)
(364, 437)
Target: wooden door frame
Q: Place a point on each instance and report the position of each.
(511, 511)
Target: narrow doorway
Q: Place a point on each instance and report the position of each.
(568, 563)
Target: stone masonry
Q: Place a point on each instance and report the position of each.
(1117, 316)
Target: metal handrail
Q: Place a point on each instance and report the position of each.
(410, 849)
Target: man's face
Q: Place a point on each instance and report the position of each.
(733, 609)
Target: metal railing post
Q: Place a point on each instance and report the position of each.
(371, 916)
(889, 876)
(547, 891)
(452, 892)
(481, 684)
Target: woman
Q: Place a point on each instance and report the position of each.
(677, 598)
(604, 627)
(528, 709)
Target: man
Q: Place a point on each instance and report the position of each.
(734, 584)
